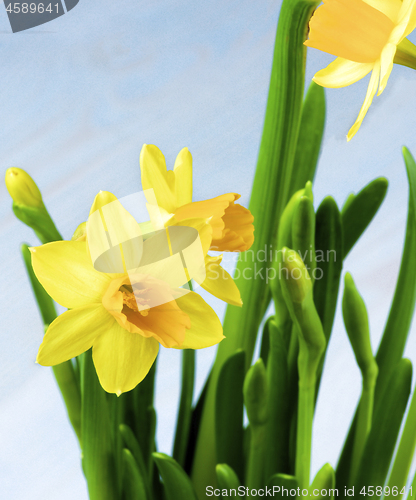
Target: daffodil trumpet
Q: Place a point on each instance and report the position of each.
(366, 36)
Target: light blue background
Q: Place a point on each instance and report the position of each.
(78, 98)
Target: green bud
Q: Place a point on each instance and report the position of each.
(285, 226)
(356, 324)
(296, 282)
(303, 232)
(298, 294)
(255, 394)
(22, 188)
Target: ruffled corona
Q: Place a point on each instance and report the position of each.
(366, 37)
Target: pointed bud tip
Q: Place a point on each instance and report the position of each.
(22, 188)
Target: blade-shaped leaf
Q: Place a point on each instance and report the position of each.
(133, 483)
(359, 210)
(310, 136)
(177, 485)
(229, 413)
(226, 477)
(379, 447)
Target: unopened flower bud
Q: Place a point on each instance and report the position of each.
(22, 188)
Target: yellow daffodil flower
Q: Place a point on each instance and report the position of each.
(231, 224)
(123, 297)
(366, 36)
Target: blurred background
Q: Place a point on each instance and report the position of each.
(79, 96)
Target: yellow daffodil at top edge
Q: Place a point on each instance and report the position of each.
(366, 36)
(125, 311)
(231, 224)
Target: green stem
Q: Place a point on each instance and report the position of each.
(304, 431)
(364, 421)
(185, 406)
(406, 450)
(255, 467)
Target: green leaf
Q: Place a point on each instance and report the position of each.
(359, 210)
(183, 423)
(379, 447)
(139, 414)
(133, 483)
(328, 245)
(177, 484)
(279, 481)
(310, 136)
(406, 451)
(226, 477)
(324, 480)
(328, 250)
(229, 413)
(265, 343)
(131, 443)
(278, 426)
(97, 443)
(401, 312)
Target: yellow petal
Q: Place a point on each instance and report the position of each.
(213, 209)
(122, 359)
(219, 283)
(115, 240)
(386, 65)
(65, 271)
(350, 29)
(155, 176)
(206, 329)
(390, 8)
(371, 91)
(183, 177)
(341, 73)
(73, 333)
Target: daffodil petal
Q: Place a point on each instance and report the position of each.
(122, 359)
(183, 177)
(206, 329)
(390, 8)
(371, 91)
(219, 283)
(114, 237)
(341, 73)
(65, 270)
(155, 176)
(73, 333)
(386, 65)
